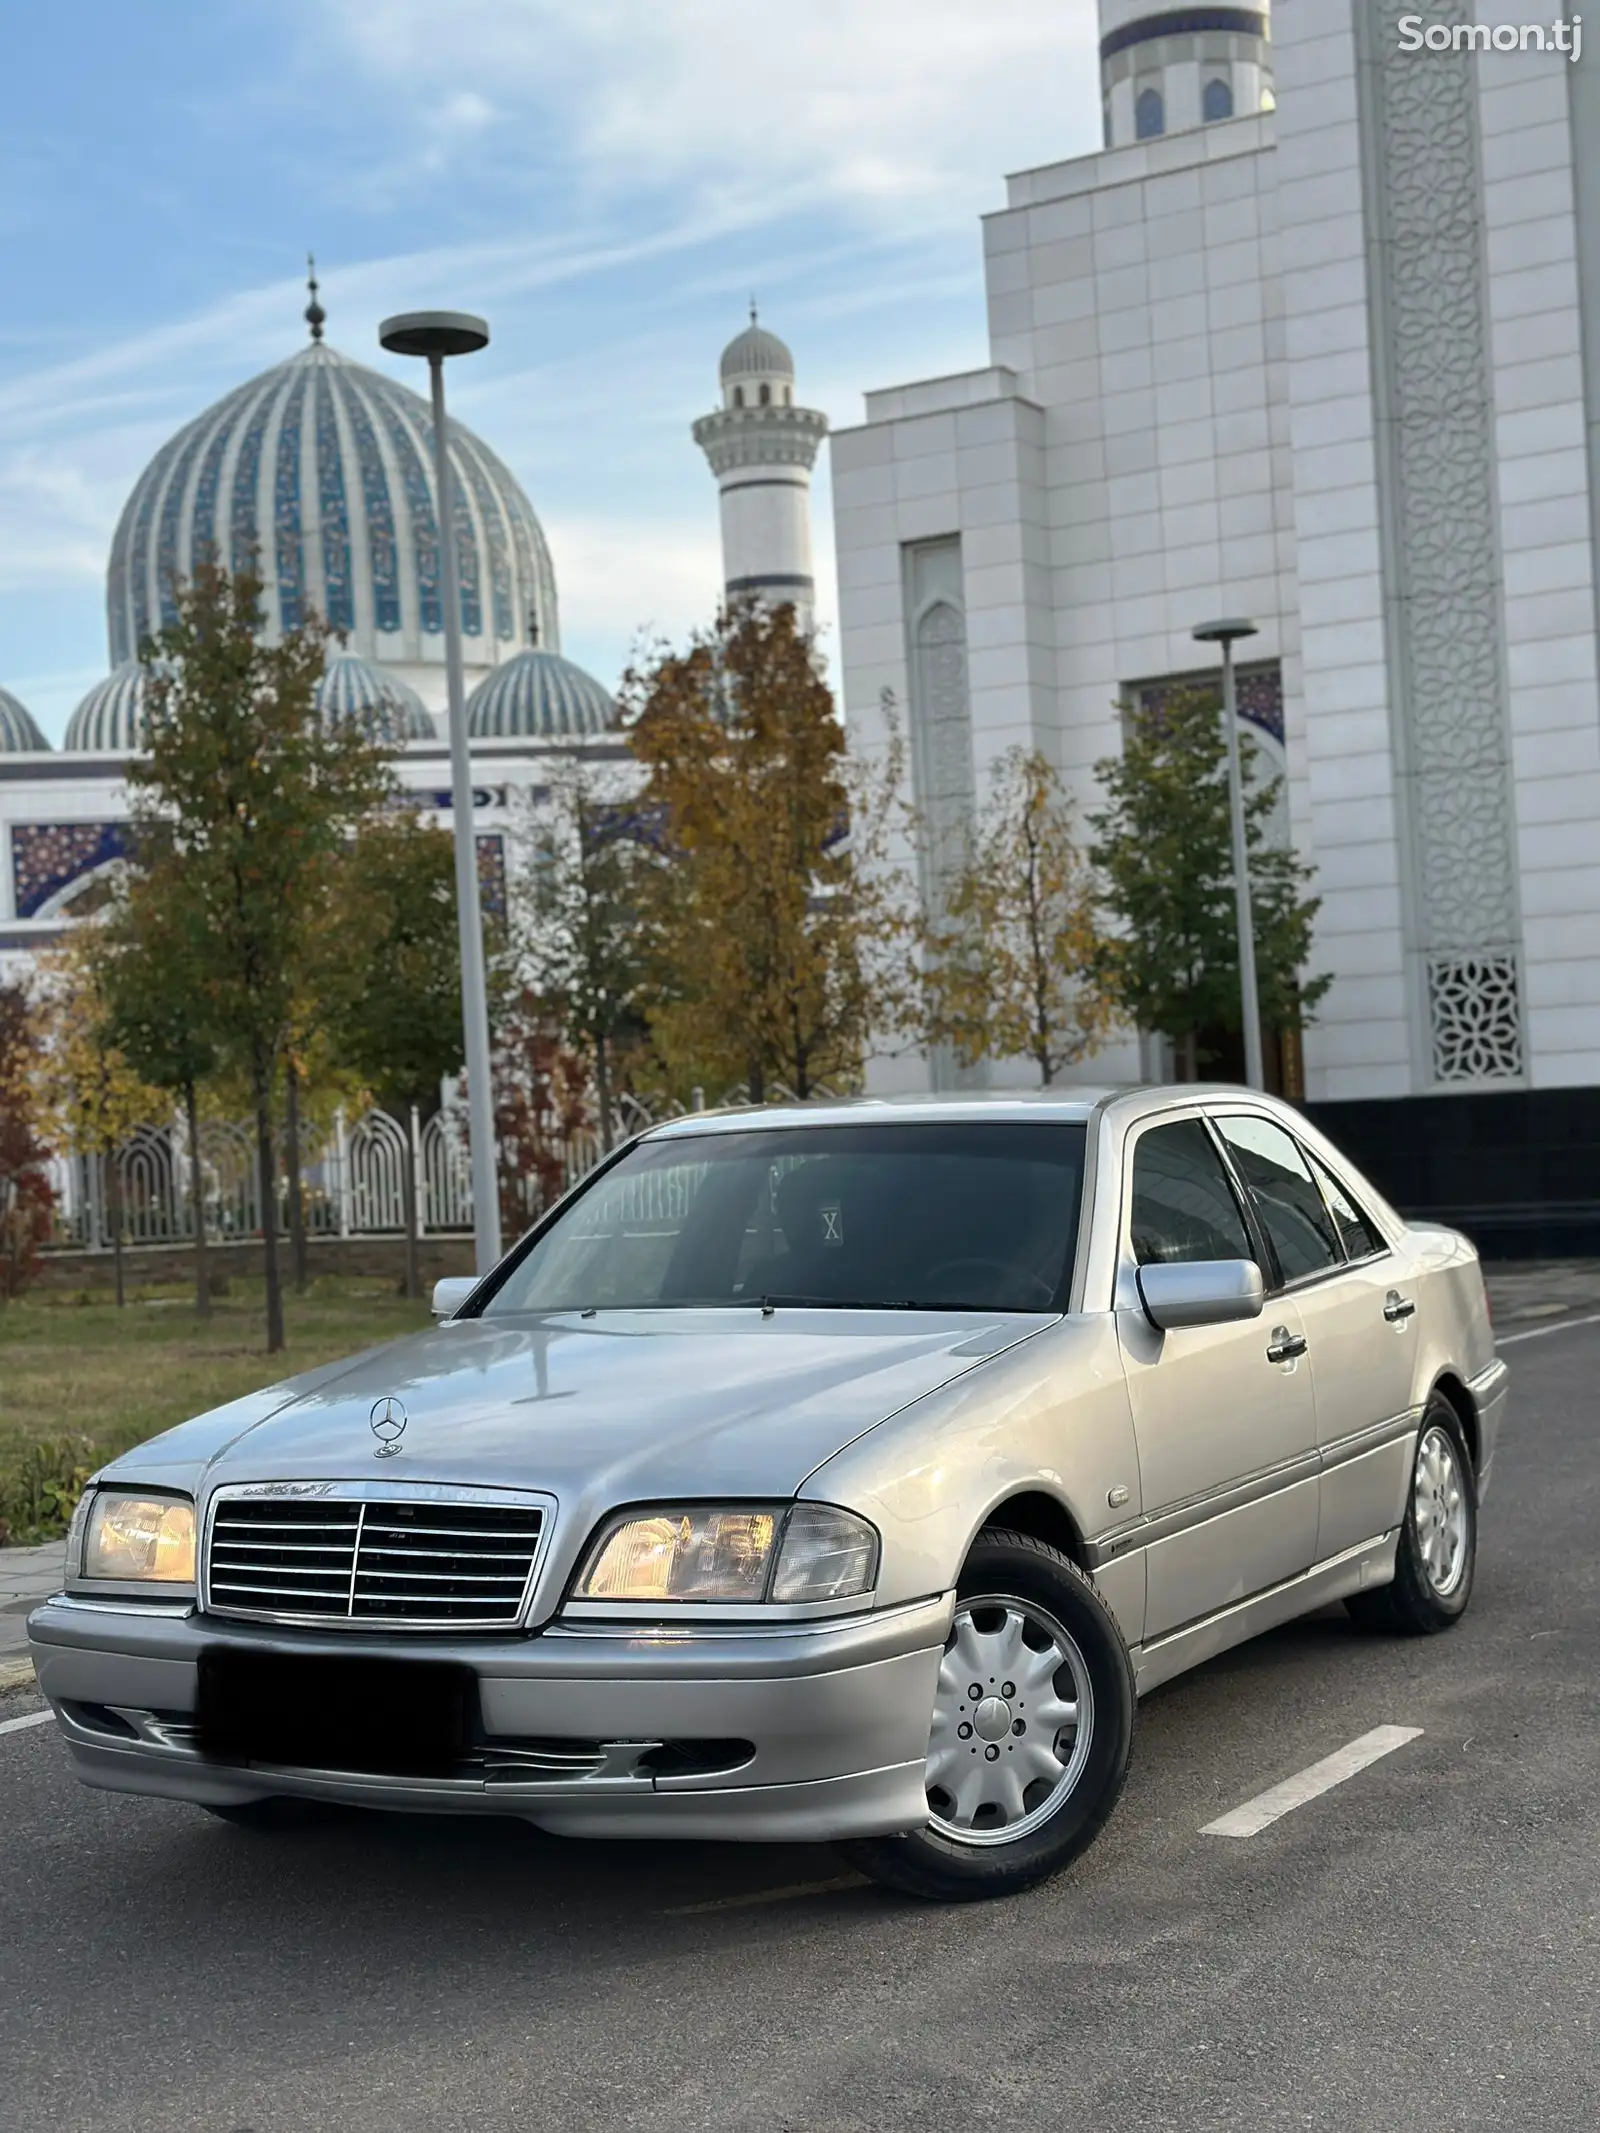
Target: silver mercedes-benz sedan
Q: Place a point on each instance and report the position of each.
(844, 1472)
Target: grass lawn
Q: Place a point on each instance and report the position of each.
(71, 1368)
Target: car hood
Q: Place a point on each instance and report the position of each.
(617, 1409)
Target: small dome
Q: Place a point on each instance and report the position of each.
(756, 353)
(19, 733)
(389, 709)
(111, 717)
(539, 695)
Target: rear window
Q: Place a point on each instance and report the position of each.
(912, 1217)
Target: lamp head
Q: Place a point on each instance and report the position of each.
(434, 333)
(1224, 632)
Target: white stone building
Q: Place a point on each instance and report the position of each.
(1333, 362)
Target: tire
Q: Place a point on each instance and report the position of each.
(1437, 1555)
(1018, 1602)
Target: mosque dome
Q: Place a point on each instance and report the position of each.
(111, 716)
(320, 472)
(388, 708)
(19, 733)
(539, 696)
(756, 353)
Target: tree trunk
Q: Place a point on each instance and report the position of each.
(757, 1082)
(602, 1082)
(297, 1198)
(115, 1176)
(1188, 1055)
(197, 1201)
(267, 1185)
(408, 1181)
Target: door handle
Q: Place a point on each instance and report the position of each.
(1397, 1308)
(1286, 1345)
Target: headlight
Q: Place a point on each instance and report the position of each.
(737, 1554)
(139, 1539)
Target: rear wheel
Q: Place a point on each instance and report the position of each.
(1438, 1549)
(1032, 1730)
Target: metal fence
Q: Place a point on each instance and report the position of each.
(353, 1174)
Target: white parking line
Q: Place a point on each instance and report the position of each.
(1305, 1785)
(34, 1718)
(1537, 1333)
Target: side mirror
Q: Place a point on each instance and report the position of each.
(1201, 1292)
(452, 1292)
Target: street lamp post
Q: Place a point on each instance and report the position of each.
(436, 335)
(1228, 634)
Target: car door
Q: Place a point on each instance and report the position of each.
(1223, 1416)
(1358, 1310)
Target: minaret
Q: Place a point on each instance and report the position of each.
(1166, 69)
(762, 448)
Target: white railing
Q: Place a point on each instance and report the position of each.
(352, 1176)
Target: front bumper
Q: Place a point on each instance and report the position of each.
(835, 1713)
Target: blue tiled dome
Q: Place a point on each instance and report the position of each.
(19, 734)
(388, 708)
(321, 473)
(539, 696)
(111, 716)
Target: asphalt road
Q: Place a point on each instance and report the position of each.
(1418, 1948)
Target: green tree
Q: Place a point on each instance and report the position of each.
(147, 954)
(252, 793)
(773, 927)
(1164, 855)
(393, 994)
(1012, 963)
(579, 929)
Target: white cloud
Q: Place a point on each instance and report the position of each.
(894, 105)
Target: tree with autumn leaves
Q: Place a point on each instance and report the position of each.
(1010, 959)
(773, 929)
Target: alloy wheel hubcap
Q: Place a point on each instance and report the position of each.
(1439, 1506)
(1013, 1718)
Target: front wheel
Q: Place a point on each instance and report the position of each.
(1437, 1553)
(1032, 1730)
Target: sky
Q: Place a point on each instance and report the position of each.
(607, 181)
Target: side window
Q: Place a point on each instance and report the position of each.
(1286, 1196)
(1360, 1239)
(1183, 1204)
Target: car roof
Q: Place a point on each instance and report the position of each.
(1022, 1106)
(1074, 1105)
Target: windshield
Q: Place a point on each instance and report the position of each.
(912, 1217)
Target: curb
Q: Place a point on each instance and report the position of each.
(16, 1674)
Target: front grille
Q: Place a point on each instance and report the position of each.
(419, 1564)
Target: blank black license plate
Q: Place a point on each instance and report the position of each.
(389, 1717)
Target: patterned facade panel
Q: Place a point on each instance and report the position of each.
(203, 514)
(537, 613)
(468, 573)
(383, 552)
(494, 530)
(287, 539)
(338, 592)
(244, 518)
(1452, 741)
(491, 848)
(424, 524)
(47, 857)
(168, 564)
